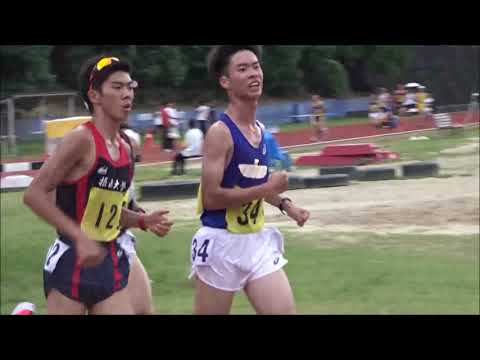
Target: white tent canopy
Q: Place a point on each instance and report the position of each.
(412, 85)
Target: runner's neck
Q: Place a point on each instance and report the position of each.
(243, 113)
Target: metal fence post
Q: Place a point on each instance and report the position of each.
(71, 106)
(11, 124)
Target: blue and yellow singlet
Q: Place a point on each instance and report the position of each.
(247, 168)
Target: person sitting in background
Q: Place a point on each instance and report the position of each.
(410, 103)
(374, 114)
(383, 117)
(392, 121)
(194, 142)
(383, 98)
(388, 118)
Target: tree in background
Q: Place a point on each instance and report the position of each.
(322, 73)
(387, 65)
(66, 61)
(282, 74)
(24, 69)
(450, 72)
(371, 66)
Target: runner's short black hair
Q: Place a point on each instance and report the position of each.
(219, 57)
(86, 80)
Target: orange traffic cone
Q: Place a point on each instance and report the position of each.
(148, 142)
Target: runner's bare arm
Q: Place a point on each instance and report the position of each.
(157, 221)
(296, 213)
(69, 154)
(274, 200)
(216, 149)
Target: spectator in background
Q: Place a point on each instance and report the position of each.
(372, 102)
(375, 115)
(170, 126)
(194, 142)
(202, 113)
(317, 119)
(420, 97)
(384, 98)
(391, 120)
(399, 95)
(212, 115)
(429, 104)
(383, 117)
(410, 103)
(158, 122)
(162, 124)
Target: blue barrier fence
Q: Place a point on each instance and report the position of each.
(270, 115)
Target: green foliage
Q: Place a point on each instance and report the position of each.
(280, 66)
(290, 70)
(66, 62)
(25, 68)
(326, 76)
(387, 64)
(161, 65)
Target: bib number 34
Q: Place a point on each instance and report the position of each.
(249, 211)
(201, 251)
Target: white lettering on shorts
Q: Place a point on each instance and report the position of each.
(127, 244)
(54, 254)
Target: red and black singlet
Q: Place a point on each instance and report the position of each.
(95, 200)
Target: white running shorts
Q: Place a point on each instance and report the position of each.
(228, 261)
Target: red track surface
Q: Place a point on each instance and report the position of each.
(361, 130)
(154, 153)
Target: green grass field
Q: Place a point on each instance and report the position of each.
(414, 150)
(30, 147)
(373, 274)
(330, 122)
(427, 149)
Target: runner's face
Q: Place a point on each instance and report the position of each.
(116, 97)
(244, 76)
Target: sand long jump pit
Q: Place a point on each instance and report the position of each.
(446, 205)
